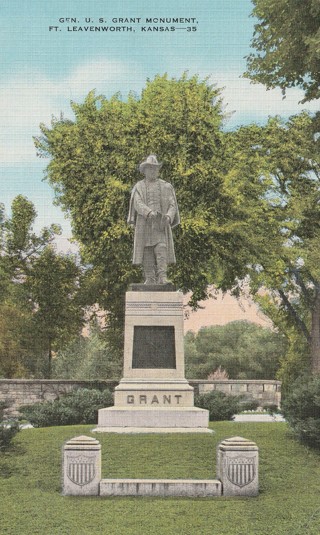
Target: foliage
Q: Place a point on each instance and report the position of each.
(19, 246)
(53, 287)
(220, 405)
(244, 350)
(8, 429)
(301, 408)
(13, 351)
(79, 407)
(286, 40)
(249, 405)
(271, 408)
(40, 294)
(288, 270)
(88, 357)
(94, 166)
(297, 358)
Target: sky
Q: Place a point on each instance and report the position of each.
(47, 60)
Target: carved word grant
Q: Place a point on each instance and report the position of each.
(163, 399)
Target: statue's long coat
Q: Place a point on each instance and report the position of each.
(169, 207)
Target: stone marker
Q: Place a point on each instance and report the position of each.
(81, 469)
(237, 467)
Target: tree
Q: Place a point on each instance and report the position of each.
(13, 350)
(286, 40)
(94, 166)
(244, 350)
(289, 258)
(19, 246)
(53, 287)
(40, 292)
(88, 357)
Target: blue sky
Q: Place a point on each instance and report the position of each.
(42, 70)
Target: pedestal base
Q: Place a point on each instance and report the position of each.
(157, 420)
(153, 394)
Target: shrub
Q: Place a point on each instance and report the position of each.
(8, 428)
(271, 408)
(79, 407)
(301, 409)
(249, 405)
(220, 405)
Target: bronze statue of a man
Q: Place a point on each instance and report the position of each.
(154, 212)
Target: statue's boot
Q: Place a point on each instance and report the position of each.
(149, 267)
(162, 264)
(150, 278)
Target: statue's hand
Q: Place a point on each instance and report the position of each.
(152, 216)
(167, 220)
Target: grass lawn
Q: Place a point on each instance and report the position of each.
(289, 500)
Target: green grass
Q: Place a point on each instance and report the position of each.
(289, 500)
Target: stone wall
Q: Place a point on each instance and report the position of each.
(17, 392)
(266, 392)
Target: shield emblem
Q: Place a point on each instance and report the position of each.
(81, 470)
(241, 471)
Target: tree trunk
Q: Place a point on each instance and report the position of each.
(315, 335)
(295, 316)
(49, 360)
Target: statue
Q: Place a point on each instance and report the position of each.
(153, 212)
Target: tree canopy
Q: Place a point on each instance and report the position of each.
(39, 291)
(289, 258)
(93, 168)
(53, 287)
(244, 350)
(287, 44)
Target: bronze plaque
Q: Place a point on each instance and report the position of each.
(154, 347)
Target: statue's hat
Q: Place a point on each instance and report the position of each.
(151, 161)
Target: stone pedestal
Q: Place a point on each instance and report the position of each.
(237, 467)
(153, 392)
(81, 467)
